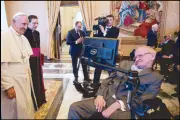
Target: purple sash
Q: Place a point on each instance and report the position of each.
(36, 52)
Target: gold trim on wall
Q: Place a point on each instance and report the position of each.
(163, 20)
(134, 42)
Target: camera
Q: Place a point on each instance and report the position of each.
(101, 21)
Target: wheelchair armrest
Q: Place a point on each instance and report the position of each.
(153, 103)
(147, 104)
(141, 111)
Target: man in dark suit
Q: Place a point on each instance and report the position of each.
(166, 54)
(176, 72)
(108, 31)
(152, 36)
(75, 39)
(176, 51)
(111, 97)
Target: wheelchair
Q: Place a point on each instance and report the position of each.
(151, 109)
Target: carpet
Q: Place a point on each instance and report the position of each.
(51, 86)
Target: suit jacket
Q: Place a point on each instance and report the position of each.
(168, 48)
(150, 82)
(152, 38)
(33, 40)
(176, 52)
(112, 33)
(72, 37)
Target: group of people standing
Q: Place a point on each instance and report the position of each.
(75, 38)
(22, 86)
(110, 101)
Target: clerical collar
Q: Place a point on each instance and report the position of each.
(14, 31)
(31, 29)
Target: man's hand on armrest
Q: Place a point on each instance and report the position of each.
(100, 103)
(111, 109)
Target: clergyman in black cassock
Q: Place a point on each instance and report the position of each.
(33, 37)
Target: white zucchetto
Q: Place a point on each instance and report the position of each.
(19, 14)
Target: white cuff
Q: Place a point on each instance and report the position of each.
(104, 34)
(171, 55)
(123, 107)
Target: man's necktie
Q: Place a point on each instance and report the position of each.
(108, 29)
(77, 33)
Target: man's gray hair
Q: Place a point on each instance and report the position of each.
(154, 26)
(148, 48)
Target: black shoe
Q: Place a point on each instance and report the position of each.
(76, 79)
(95, 85)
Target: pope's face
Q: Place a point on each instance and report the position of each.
(20, 24)
(33, 24)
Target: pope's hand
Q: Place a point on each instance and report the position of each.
(100, 103)
(11, 93)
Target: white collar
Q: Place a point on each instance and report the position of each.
(14, 31)
(108, 27)
(152, 30)
(166, 41)
(31, 29)
(76, 30)
(134, 67)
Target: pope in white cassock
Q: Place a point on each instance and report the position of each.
(16, 83)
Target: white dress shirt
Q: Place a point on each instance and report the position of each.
(106, 30)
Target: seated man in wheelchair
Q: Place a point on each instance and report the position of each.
(110, 100)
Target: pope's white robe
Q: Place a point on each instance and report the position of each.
(16, 72)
